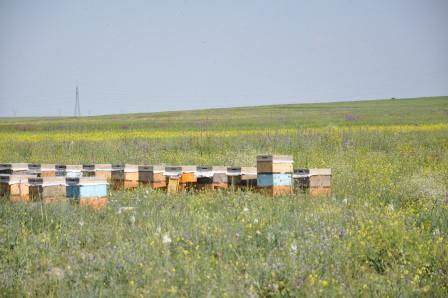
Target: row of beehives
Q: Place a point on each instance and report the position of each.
(274, 174)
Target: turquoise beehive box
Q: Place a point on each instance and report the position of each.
(86, 187)
(268, 179)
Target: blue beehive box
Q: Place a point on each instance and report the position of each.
(87, 187)
(268, 179)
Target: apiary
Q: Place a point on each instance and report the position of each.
(152, 175)
(15, 187)
(47, 189)
(88, 191)
(274, 174)
(14, 168)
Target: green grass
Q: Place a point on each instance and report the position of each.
(384, 231)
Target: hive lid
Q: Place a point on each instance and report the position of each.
(275, 158)
(60, 167)
(47, 167)
(301, 173)
(188, 169)
(103, 167)
(117, 168)
(14, 166)
(151, 168)
(233, 171)
(73, 168)
(248, 170)
(86, 181)
(320, 172)
(129, 168)
(47, 181)
(219, 169)
(88, 168)
(15, 179)
(34, 166)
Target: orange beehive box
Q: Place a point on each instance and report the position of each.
(47, 170)
(188, 174)
(274, 164)
(276, 190)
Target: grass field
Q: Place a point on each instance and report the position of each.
(384, 231)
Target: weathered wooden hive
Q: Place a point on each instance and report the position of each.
(15, 187)
(234, 177)
(319, 182)
(274, 174)
(88, 191)
(125, 176)
(211, 177)
(14, 168)
(301, 179)
(248, 177)
(152, 175)
(172, 175)
(88, 170)
(47, 189)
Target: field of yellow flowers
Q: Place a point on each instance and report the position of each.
(383, 232)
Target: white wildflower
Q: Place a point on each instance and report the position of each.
(345, 201)
(246, 209)
(166, 239)
(391, 207)
(258, 233)
(293, 249)
(256, 221)
(132, 219)
(81, 222)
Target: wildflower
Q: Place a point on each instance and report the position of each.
(293, 249)
(391, 207)
(81, 222)
(246, 209)
(345, 201)
(166, 239)
(132, 219)
(256, 221)
(258, 233)
(436, 232)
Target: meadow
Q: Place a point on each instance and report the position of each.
(383, 232)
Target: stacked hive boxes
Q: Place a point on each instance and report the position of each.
(88, 191)
(125, 176)
(152, 176)
(274, 174)
(15, 187)
(319, 182)
(47, 189)
(14, 168)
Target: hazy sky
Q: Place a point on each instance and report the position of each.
(138, 56)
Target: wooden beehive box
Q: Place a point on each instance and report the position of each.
(60, 170)
(152, 175)
(103, 171)
(125, 176)
(301, 179)
(320, 182)
(88, 170)
(211, 177)
(34, 169)
(47, 170)
(73, 171)
(14, 168)
(234, 177)
(15, 187)
(88, 191)
(274, 164)
(188, 175)
(47, 189)
(248, 177)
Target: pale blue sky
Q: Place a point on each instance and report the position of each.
(143, 56)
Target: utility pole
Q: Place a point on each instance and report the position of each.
(77, 104)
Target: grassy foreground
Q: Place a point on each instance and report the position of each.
(384, 232)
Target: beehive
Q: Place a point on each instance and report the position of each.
(47, 170)
(274, 174)
(211, 177)
(15, 187)
(248, 177)
(152, 175)
(188, 175)
(234, 177)
(319, 182)
(88, 170)
(73, 171)
(34, 169)
(88, 191)
(301, 179)
(125, 176)
(47, 189)
(103, 171)
(278, 164)
(173, 175)
(14, 168)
